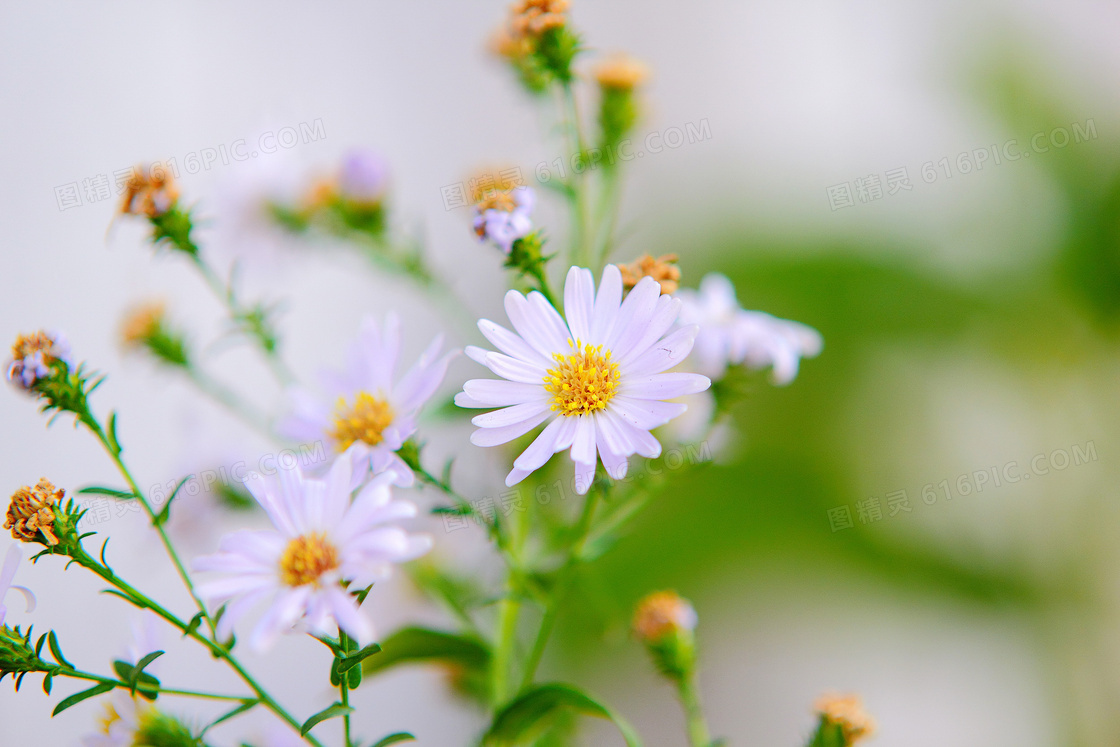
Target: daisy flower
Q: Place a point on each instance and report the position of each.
(729, 335)
(321, 540)
(502, 217)
(122, 722)
(597, 378)
(370, 412)
(7, 574)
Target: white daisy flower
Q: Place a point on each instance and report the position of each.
(321, 541)
(730, 335)
(503, 217)
(598, 378)
(7, 575)
(370, 413)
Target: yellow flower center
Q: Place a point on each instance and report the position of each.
(583, 381)
(365, 421)
(306, 558)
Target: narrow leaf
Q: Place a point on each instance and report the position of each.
(56, 652)
(332, 711)
(76, 698)
(349, 662)
(400, 736)
(245, 706)
(419, 645)
(532, 708)
(101, 490)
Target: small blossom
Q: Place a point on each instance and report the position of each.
(663, 613)
(34, 354)
(663, 269)
(369, 412)
(7, 574)
(598, 378)
(363, 177)
(142, 322)
(846, 711)
(150, 192)
(730, 335)
(31, 513)
(322, 539)
(503, 216)
(621, 72)
(130, 721)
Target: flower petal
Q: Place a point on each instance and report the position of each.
(579, 302)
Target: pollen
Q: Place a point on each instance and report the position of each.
(582, 382)
(307, 558)
(365, 420)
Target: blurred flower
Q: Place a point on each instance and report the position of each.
(662, 269)
(150, 192)
(7, 574)
(321, 540)
(144, 638)
(621, 72)
(33, 356)
(535, 17)
(662, 613)
(730, 335)
(845, 711)
(374, 411)
(364, 177)
(537, 42)
(131, 722)
(599, 377)
(142, 322)
(502, 216)
(31, 512)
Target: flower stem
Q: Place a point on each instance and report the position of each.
(344, 693)
(552, 609)
(578, 184)
(698, 734)
(146, 687)
(82, 558)
(228, 399)
(503, 656)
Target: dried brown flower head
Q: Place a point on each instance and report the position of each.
(141, 322)
(621, 72)
(663, 269)
(32, 357)
(534, 17)
(151, 192)
(30, 512)
(846, 711)
(662, 613)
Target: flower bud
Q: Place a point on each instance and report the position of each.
(618, 78)
(842, 715)
(665, 623)
(31, 513)
(538, 43)
(17, 654)
(662, 269)
(145, 327)
(34, 357)
(150, 192)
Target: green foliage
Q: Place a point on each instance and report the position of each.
(334, 710)
(531, 711)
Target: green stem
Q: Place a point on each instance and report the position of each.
(145, 687)
(344, 692)
(82, 558)
(608, 216)
(503, 656)
(577, 183)
(698, 734)
(573, 559)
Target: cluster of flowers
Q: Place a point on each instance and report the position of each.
(597, 371)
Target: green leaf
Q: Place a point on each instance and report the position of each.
(332, 711)
(348, 662)
(420, 645)
(828, 735)
(147, 685)
(531, 710)
(400, 736)
(245, 705)
(165, 512)
(76, 698)
(102, 490)
(112, 433)
(56, 652)
(192, 626)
